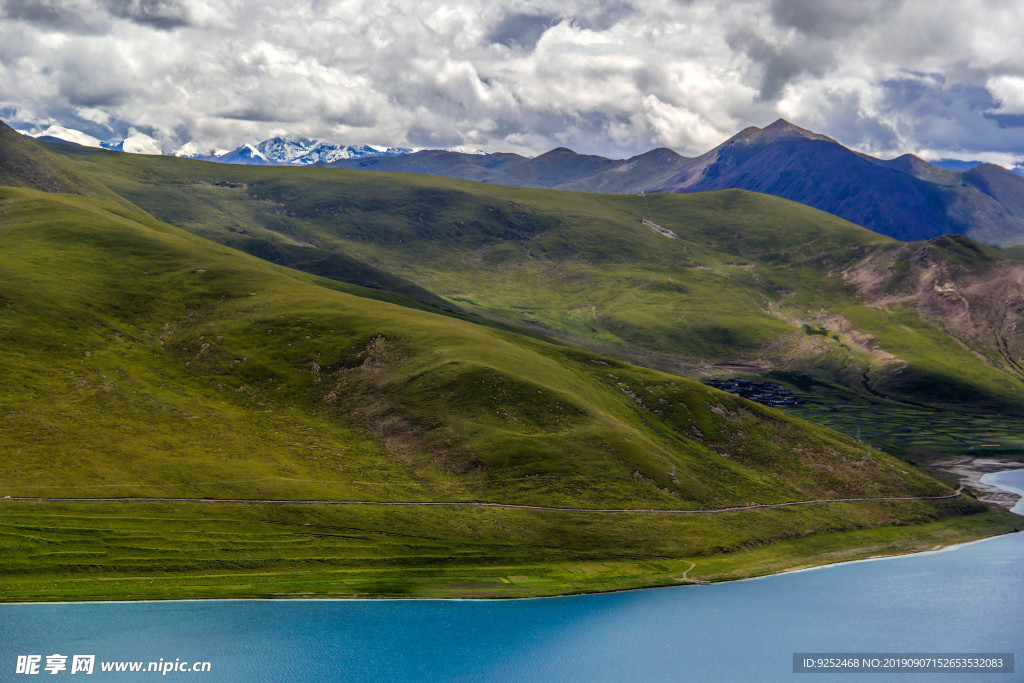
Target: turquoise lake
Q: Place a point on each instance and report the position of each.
(966, 599)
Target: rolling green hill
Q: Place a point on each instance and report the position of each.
(746, 283)
(142, 361)
(25, 163)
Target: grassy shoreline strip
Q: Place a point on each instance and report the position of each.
(514, 506)
(74, 554)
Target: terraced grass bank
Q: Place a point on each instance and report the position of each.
(87, 551)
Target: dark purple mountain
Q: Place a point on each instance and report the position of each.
(906, 198)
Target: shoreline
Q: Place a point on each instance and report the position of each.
(1018, 507)
(762, 577)
(971, 472)
(668, 583)
(977, 470)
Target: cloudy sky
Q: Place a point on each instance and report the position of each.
(942, 78)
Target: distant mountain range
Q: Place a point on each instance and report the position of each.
(289, 150)
(906, 198)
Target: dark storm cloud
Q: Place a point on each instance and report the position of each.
(160, 14)
(37, 11)
(953, 116)
(1007, 120)
(830, 18)
(91, 16)
(930, 94)
(420, 136)
(57, 14)
(521, 29)
(806, 44)
(779, 63)
(524, 29)
(88, 75)
(91, 94)
(605, 15)
(846, 114)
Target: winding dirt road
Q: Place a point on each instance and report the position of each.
(511, 506)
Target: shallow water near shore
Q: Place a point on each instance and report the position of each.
(1012, 481)
(965, 599)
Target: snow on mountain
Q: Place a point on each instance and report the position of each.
(302, 151)
(191, 150)
(140, 143)
(325, 153)
(68, 135)
(285, 150)
(246, 154)
(289, 150)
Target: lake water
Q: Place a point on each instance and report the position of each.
(967, 599)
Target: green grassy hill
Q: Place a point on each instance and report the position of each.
(142, 361)
(750, 283)
(171, 344)
(25, 163)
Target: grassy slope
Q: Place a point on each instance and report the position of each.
(49, 172)
(26, 163)
(752, 280)
(161, 551)
(98, 307)
(140, 360)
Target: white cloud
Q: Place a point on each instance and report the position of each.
(604, 77)
(1009, 91)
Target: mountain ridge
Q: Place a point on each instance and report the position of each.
(906, 197)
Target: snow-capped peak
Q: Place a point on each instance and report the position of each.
(285, 149)
(302, 151)
(281, 150)
(191, 150)
(255, 152)
(246, 154)
(140, 143)
(68, 135)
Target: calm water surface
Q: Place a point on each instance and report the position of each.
(964, 599)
